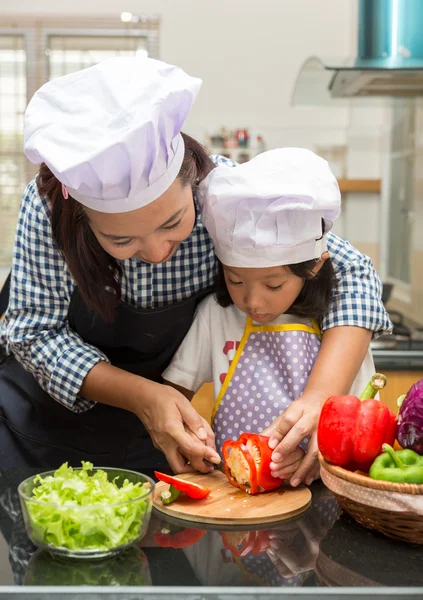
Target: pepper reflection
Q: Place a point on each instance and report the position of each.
(281, 556)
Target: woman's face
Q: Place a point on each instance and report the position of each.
(152, 233)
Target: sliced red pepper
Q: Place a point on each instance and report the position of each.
(240, 467)
(258, 446)
(193, 490)
(179, 539)
(247, 463)
(351, 430)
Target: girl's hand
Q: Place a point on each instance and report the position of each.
(298, 421)
(178, 430)
(288, 465)
(339, 360)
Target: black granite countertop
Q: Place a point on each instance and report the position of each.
(317, 550)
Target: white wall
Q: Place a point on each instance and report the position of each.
(248, 53)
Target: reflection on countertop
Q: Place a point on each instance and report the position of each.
(318, 549)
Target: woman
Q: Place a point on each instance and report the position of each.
(110, 261)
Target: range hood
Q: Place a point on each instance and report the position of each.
(389, 60)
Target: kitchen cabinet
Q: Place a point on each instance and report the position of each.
(203, 401)
(399, 382)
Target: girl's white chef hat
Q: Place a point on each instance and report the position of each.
(269, 211)
(111, 133)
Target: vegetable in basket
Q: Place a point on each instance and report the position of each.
(401, 466)
(351, 430)
(410, 419)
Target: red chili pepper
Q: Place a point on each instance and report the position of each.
(193, 490)
(244, 542)
(247, 463)
(351, 430)
(179, 539)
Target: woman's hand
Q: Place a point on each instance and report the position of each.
(178, 430)
(174, 425)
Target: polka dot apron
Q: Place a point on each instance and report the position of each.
(270, 369)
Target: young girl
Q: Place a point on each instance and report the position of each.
(258, 338)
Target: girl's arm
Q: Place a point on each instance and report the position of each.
(339, 360)
(356, 314)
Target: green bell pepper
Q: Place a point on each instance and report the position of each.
(402, 466)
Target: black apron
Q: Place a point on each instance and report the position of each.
(38, 431)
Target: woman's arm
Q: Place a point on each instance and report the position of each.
(189, 394)
(64, 365)
(173, 424)
(36, 324)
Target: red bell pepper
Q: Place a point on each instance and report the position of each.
(239, 466)
(181, 538)
(258, 447)
(193, 490)
(351, 430)
(241, 543)
(247, 463)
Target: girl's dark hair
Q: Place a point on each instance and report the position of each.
(315, 297)
(98, 275)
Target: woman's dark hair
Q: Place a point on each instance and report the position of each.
(97, 274)
(313, 300)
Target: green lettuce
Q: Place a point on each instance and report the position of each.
(80, 512)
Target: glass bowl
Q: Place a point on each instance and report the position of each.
(92, 530)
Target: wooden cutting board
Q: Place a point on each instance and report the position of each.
(228, 505)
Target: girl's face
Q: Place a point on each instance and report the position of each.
(152, 233)
(264, 293)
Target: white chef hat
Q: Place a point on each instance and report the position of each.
(268, 211)
(111, 133)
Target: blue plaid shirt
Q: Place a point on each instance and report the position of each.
(36, 329)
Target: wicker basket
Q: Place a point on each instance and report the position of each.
(394, 509)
